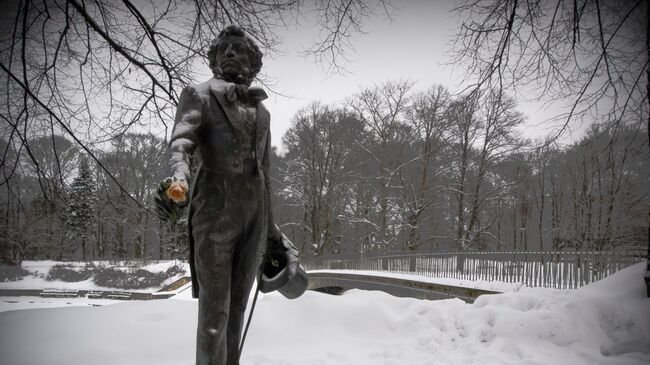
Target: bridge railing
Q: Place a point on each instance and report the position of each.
(552, 269)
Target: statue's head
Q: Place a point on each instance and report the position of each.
(234, 56)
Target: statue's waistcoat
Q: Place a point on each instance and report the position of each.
(223, 147)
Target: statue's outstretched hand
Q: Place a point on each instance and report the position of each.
(172, 197)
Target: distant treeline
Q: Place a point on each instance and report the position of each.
(388, 170)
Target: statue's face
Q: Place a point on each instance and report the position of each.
(232, 58)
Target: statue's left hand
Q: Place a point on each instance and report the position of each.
(172, 197)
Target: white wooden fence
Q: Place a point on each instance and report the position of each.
(562, 269)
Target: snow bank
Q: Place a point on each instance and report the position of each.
(604, 323)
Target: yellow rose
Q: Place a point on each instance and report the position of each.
(177, 191)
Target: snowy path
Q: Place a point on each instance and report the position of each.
(605, 323)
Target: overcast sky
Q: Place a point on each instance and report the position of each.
(414, 46)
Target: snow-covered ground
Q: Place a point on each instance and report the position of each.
(39, 270)
(607, 322)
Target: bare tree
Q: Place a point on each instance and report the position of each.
(445, 166)
(382, 109)
(498, 138)
(464, 131)
(319, 171)
(587, 52)
(340, 21)
(604, 188)
(482, 131)
(138, 161)
(93, 70)
(427, 116)
(541, 159)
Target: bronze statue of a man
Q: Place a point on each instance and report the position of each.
(224, 122)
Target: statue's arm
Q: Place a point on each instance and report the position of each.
(185, 133)
(273, 230)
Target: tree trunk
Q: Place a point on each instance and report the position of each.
(647, 96)
(514, 226)
(160, 240)
(461, 202)
(83, 247)
(145, 236)
(542, 192)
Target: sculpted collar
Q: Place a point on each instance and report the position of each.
(241, 92)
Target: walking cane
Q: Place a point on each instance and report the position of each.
(288, 278)
(250, 315)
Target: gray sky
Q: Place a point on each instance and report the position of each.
(413, 46)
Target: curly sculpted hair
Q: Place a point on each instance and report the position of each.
(254, 53)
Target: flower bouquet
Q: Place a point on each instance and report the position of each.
(171, 199)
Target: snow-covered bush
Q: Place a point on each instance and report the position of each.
(70, 273)
(132, 279)
(12, 273)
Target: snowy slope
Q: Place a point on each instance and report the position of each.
(605, 323)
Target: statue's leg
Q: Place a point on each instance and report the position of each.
(246, 266)
(215, 243)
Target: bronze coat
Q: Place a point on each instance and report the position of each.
(205, 120)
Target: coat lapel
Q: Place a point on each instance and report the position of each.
(263, 115)
(229, 108)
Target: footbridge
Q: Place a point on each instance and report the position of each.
(339, 282)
